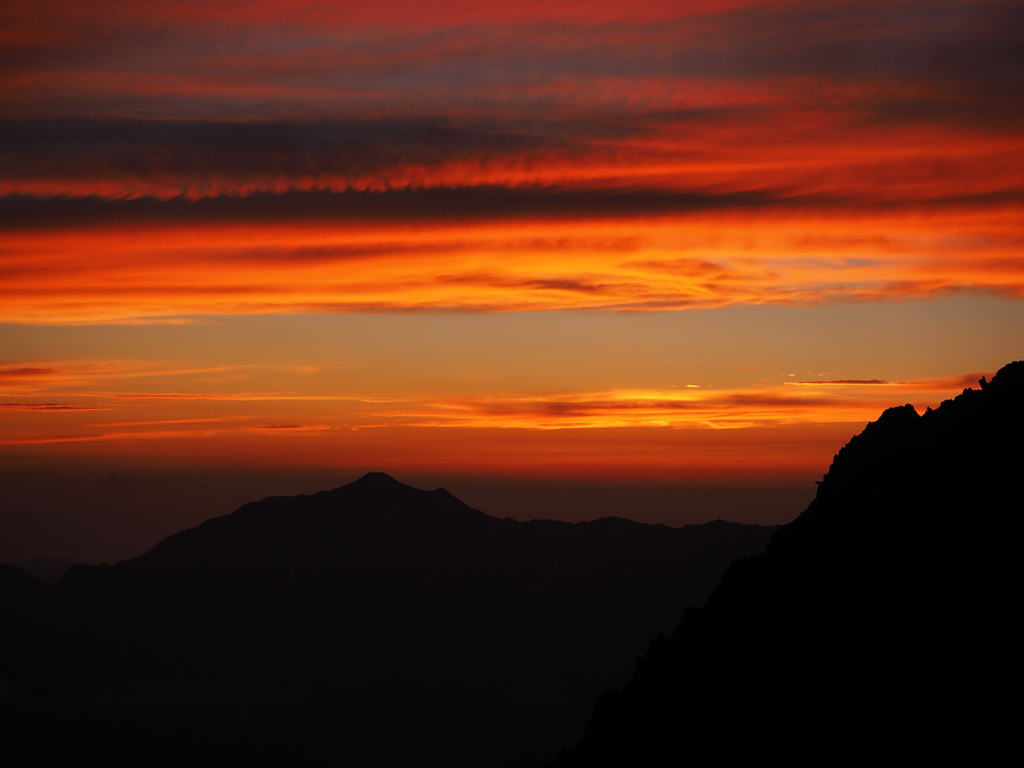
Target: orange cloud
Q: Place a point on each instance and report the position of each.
(292, 427)
(27, 373)
(48, 407)
(843, 381)
(948, 384)
(679, 408)
(412, 157)
(687, 407)
(638, 263)
(330, 157)
(767, 431)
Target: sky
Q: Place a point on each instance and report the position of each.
(650, 245)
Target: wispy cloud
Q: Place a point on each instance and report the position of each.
(703, 260)
(952, 384)
(689, 407)
(49, 407)
(458, 157)
(292, 427)
(841, 381)
(162, 422)
(27, 373)
(855, 401)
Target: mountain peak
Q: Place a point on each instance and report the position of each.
(397, 622)
(378, 480)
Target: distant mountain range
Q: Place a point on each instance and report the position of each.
(884, 625)
(378, 623)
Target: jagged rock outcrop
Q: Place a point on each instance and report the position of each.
(885, 622)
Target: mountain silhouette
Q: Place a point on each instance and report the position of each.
(378, 623)
(884, 623)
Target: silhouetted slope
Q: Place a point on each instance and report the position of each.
(392, 624)
(885, 621)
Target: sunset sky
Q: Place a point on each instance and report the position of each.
(692, 242)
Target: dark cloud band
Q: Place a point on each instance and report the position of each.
(19, 212)
(460, 204)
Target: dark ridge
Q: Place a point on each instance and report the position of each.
(885, 620)
(48, 568)
(387, 624)
(14, 581)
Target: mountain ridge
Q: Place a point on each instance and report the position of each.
(375, 603)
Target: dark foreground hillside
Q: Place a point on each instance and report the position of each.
(382, 624)
(885, 624)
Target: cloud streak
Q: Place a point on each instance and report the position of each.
(636, 263)
(27, 373)
(161, 163)
(736, 430)
(688, 407)
(48, 407)
(303, 58)
(158, 163)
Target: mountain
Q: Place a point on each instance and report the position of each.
(884, 623)
(390, 625)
